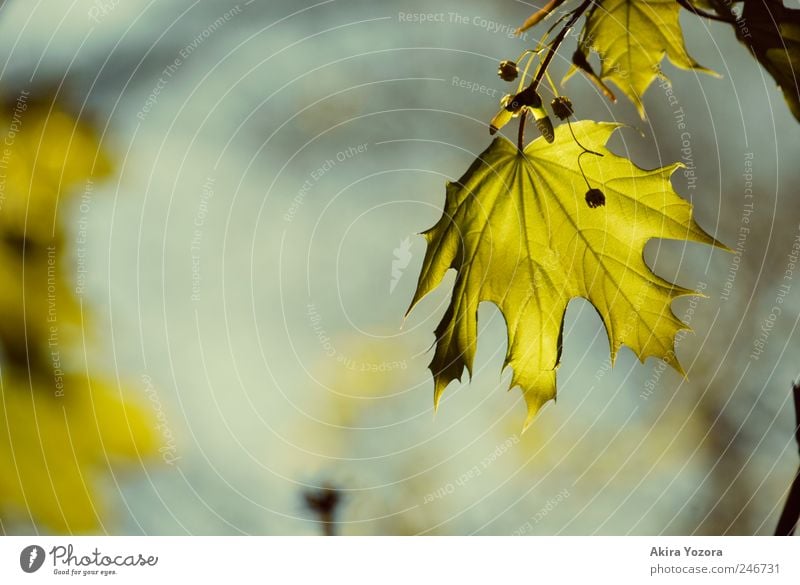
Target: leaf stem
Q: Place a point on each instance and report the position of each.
(521, 131)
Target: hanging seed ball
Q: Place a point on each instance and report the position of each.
(562, 107)
(508, 70)
(595, 198)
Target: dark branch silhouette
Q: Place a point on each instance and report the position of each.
(324, 502)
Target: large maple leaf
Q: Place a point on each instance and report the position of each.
(520, 234)
(631, 37)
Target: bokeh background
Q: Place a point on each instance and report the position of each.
(250, 252)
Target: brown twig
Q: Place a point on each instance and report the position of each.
(790, 516)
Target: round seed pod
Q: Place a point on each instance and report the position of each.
(508, 70)
(562, 107)
(595, 198)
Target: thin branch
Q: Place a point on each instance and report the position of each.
(525, 97)
(528, 95)
(791, 510)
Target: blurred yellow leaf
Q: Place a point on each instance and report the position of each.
(58, 435)
(45, 155)
(60, 432)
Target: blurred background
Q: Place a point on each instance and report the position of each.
(236, 258)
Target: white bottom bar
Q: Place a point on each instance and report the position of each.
(371, 560)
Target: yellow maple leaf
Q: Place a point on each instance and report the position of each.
(520, 234)
(631, 37)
